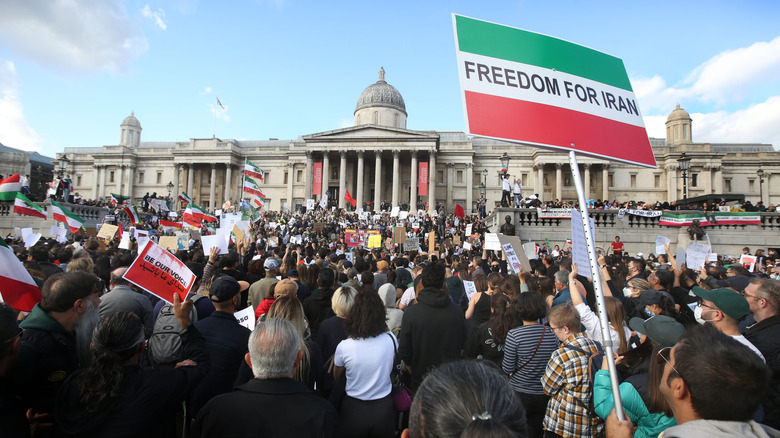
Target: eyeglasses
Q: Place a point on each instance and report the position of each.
(701, 304)
(745, 294)
(664, 354)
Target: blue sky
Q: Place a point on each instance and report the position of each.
(71, 71)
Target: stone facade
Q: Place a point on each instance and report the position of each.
(377, 160)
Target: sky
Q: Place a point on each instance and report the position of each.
(72, 70)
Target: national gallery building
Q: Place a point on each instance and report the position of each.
(379, 160)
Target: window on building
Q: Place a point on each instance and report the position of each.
(140, 177)
(376, 117)
(611, 180)
(111, 176)
(685, 132)
(440, 177)
(694, 180)
(334, 173)
(751, 184)
(78, 180)
(566, 181)
(656, 181)
(285, 177)
(159, 177)
(299, 176)
(727, 184)
(633, 180)
(525, 179)
(459, 177)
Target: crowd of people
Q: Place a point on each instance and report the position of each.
(484, 350)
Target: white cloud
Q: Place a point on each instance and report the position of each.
(157, 16)
(14, 130)
(206, 90)
(75, 35)
(757, 123)
(345, 123)
(219, 112)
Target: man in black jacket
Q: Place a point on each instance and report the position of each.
(763, 296)
(272, 403)
(433, 331)
(317, 307)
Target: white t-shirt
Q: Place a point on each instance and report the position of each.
(517, 188)
(368, 363)
(408, 296)
(507, 184)
(593, 329)
(743, 340)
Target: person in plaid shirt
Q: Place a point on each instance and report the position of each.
(566, 379)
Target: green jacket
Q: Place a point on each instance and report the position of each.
(649, 424)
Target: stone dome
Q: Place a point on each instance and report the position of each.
(131, 120)
(381, 94)
(678, 114)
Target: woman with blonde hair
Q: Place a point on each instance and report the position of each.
(288, 307)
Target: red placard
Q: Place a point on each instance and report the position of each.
(422, 178)
(159, 272)
(316, 188)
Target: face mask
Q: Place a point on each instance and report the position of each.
(627, 291)
(649, 313)
(495, 268)
(697, 311)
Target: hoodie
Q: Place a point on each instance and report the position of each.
(433, 331)
(317, 308)
(718, 429)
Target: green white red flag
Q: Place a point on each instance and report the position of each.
(132, 214)
(194, 214)
(119, 199)
(253, 171)
(24, 206)
(17, 286)
(183, 196)
(257, 202)
(9, 187)
(69, 218)
(546, 92)
(251, 187)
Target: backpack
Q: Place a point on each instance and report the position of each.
(164, 346)
(595, 361)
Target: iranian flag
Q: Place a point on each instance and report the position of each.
(132, 214)
(119, 199)
(169, 226)
(258, 202)
(24, 206)
(189, 218)
(546, 92)
(250, 186)
(62, 214)
(253, 171)
(17, 286)
(183, 196)
(9, 187)
(194, 214)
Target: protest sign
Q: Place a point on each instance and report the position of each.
(470, 288)
(431, 242)
(399, 234)
(511, 257)
(748, 261)
(660, 244)
(530, 250)
(168, 242)
(517, 247)
(107, 231)
(696, 255)
(492, 242)
(31, 239)
(568, 95)
(579, 249)
(468, 229)
(412, 244)
(467, 246)
(159, 272)
(310, 204)
(681, 257)
(209, 242)
(374, 241)
(246, 317)
(125, 242)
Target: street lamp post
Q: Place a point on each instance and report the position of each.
(484, 182)
(170, 188)
(760, 173)
(63, 161)
(685, 164)
(505, 163)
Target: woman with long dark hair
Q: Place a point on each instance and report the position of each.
(487, 341)
(115, 396)
(366, 357)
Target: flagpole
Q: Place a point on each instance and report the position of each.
(600, 305)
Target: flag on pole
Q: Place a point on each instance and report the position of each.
(189, 218)
(253, 171)
(119, 199)
(132, 214)
(17, 286)
(250, 186)
(219, 103)
(183, 196)
(9, 187)
(169, 226)
(324, 201)
(258, 202)
(349, 198)
(119, 231)
(62, 214)
(198, 214)
(24, 206)
(459, 211)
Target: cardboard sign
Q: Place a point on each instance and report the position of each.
(374, 241)
(431, 242)
(412, 244)
(517, 247)
(239, 233)
(470, 288)
(160, 273)
(511, 257)
(183, 241)
(168, 242)
(318, 226)
(399, 234)
(246, 317)
(107, 231)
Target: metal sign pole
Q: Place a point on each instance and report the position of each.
(601, 307)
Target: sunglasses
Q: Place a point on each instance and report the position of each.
(664, 355)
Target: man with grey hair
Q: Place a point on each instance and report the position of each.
(562, 294)
(763, 297)
(123, 297)
(272, 402)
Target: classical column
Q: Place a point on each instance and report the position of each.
(707, 174)
(587, 180)
(212, 187)
(342, 178)
(120, 180)
(671, 171)
(449, 187)
(290, 172)
(718, 183)
(103, 191)
(309, 175)
(190, 180)
(432, 182)
(377, 180)
(605, 182)
(95, 176)
(176, 189)
(558, 181)
(396, 177)
(130, 182)
(469, 187)
(325, 172)
(360, 180)
(538, 179)
(228, 180)
(413, 183)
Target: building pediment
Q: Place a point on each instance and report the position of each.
(371, 133)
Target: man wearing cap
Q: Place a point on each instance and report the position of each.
(259, 290)
(380, 276)
(763, 297)
(723, 308)
(226, 342)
